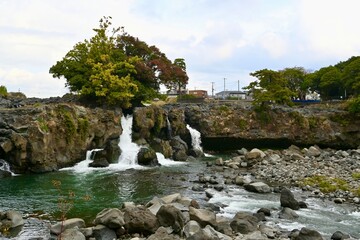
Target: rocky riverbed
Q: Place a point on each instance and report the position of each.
(178, 217)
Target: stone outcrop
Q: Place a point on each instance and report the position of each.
(229, 126)
(46, 137)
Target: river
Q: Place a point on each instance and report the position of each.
(96, 189)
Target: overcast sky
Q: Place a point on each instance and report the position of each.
(217, 38)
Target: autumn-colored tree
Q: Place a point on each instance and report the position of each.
(114, 67)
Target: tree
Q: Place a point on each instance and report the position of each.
(115, 68)
(351, 76)
(270, 86)
(296, 81)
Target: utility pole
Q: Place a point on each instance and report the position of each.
(224, 90)
(212, 89)
(238, 90)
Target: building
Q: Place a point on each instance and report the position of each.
(199, 93)
(232, 94)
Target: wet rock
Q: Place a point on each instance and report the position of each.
(338, 235)
(219, 162)
(4, 174)
(140, 220)
(72, 234)
(101, 232)
(67, 224)
(99, 163)
(306, 234)
(266, 211)
(170, 216)
(163, 234)
(202, 216)
(244, 223)
(287, 199)
(11, 219)
(110, 217)
(191, 228)
(258, 187)
(288, 213)
(147, 157)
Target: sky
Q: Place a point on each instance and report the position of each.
(222, 41)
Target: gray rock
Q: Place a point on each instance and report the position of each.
(288, 213)
(147, 157)
(140, 220)
(110, 217)
(13, 219)
(101, 232)
(67, 224)
(191, 228)
(202, 216)
(287, 199)
(244, 223)
(308, 234)
(163, 234)
(170, 216)
(313, 151)
(72, 234)
(258, 187)
(339, 236)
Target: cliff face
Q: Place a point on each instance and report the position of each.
(237, 125)
(226, 126)
(46, 137)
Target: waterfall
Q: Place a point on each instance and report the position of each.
(169, 130)
(195, 138)
(4, 165)
(129, 149)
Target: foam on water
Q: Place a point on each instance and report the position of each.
(165, 161)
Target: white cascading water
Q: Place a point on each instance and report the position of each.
(129, 149)
(129, 152)
(4, 166)
(195, 138)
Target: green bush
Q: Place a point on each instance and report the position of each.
(3, 91)
(353, 105)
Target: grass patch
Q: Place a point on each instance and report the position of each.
(355, 175)
(326, 184)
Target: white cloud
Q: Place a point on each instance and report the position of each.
(217, 39)
(329, 28)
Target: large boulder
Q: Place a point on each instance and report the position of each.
(72, 234)
(308, 234)
(287, 199)
(101, 232)
(208, 233)
(4, 174)
(180, 149)
(147, 157)
(162, 146)
(258, 187)
(202, 216)
(11, 219)
(140, 220)
(288, 213)
(67, 224)
(170, 216)
(162, 233)
(110, 217)
(244, 223)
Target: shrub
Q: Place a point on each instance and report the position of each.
(353, 105)
(3, 91)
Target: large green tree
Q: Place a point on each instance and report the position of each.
(270, 86)
(116, 68)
